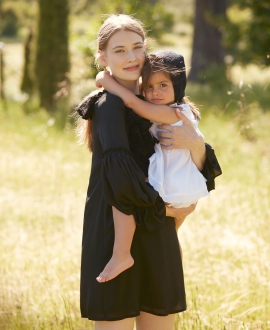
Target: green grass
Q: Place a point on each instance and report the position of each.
(225, 242)
(44, 177)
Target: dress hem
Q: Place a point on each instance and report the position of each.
(134, 315)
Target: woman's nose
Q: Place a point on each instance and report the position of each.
(131, 56)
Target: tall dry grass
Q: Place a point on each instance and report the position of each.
(225, 242)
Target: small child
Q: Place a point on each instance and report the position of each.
(171, 172)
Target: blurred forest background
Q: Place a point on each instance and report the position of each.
(47, 66)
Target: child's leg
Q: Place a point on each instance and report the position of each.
(124, 228)
(178, 222)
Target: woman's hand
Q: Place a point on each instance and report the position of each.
(181, 213)
(183, 137)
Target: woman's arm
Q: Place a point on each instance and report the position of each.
(156, 113)
(179, 214)
(123, 182)
(184, 137)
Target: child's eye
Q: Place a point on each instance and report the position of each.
(149, 86)
(163, 85)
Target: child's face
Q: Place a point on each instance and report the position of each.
(159, 89)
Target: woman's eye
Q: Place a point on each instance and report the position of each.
(119, 51)
(138, 47)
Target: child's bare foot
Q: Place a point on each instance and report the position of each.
(114, 267)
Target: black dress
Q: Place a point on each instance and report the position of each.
(122, 145)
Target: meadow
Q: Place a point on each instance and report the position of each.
(225, 242)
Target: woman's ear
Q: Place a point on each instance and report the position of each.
(101, 57)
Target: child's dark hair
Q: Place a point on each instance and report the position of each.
(172, 65)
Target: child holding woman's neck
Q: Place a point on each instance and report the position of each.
(164, 82)
(156, 109)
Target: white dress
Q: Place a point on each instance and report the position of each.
(172, 172)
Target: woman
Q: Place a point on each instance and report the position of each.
(152, 290)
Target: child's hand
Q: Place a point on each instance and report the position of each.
(102, 77)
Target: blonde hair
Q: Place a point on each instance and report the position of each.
(112, 24)
(115, 23)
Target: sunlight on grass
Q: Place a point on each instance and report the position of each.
(225, 241)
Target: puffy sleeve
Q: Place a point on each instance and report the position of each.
(211, 167)
(123, 181)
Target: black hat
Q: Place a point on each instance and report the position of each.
(178, 76)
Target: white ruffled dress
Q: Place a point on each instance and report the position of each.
(172, 172)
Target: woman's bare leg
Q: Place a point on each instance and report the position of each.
(146, 321)
(124, 228)
(125, 324)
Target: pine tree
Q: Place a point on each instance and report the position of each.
(52, 56)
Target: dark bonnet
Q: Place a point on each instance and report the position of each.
(179, 79)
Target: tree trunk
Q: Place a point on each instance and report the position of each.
(27, 81)
(2, 91)
(207, 50)
(52, 56)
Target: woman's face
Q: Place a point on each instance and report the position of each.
(124, 55)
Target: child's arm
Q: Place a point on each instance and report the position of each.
(154, 112)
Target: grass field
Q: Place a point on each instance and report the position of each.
(44, 176)
(225, 242)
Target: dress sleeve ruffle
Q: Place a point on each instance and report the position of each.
(125, 188)
(211, 167)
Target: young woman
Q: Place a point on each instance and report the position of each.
(152, 290)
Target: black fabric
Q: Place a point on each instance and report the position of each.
(211, 167)
(179, 79)
(155, 283)
(141, 140)
(87, 107)
(125, 188)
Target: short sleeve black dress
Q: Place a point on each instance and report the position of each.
(122, 145)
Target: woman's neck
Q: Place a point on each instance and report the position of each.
(132, 85)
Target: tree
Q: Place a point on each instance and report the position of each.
(52, 56)
(152, 13)
(247, 36)
(207, 52)
(27, 80)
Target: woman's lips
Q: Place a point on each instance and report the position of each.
(132, 68)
